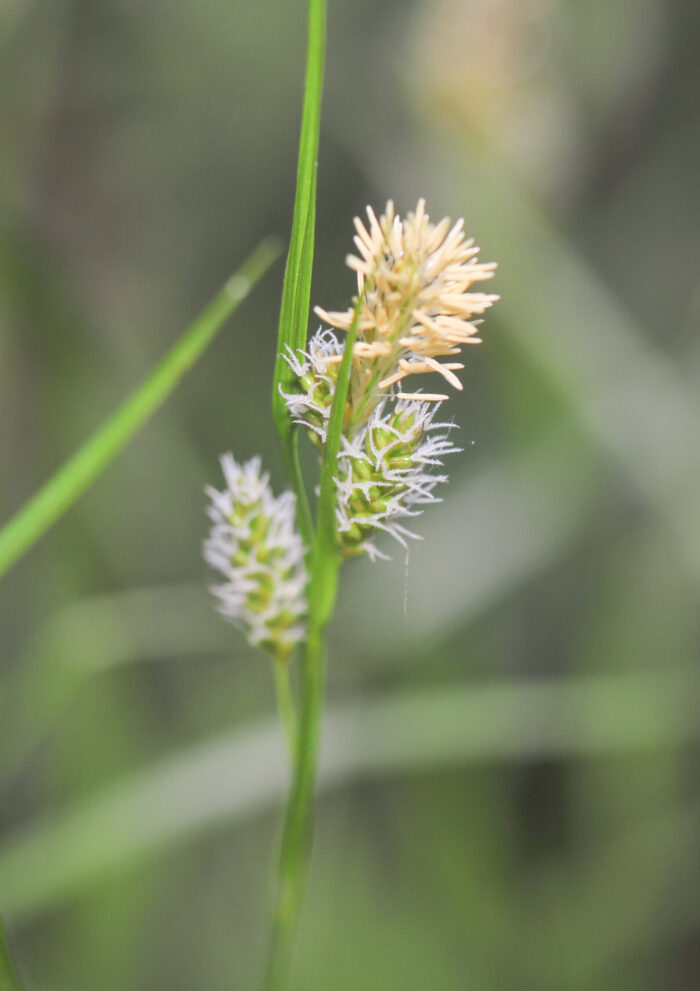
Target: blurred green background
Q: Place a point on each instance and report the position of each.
(510, 790)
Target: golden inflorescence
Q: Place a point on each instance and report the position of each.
(415, 280)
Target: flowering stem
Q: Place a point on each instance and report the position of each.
(286, 704)
(290, 452)
(296, 839)
(292, 334)
(323, 588)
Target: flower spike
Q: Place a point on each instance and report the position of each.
(416, 280)
(253, 543)
(384, 473)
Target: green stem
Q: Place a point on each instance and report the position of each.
(286, 705)
(295, 854)
(8, 976)
(296, 293)
(290, 452)
(296, 840)
(80, 471)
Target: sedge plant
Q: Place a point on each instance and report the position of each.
(380, 448)
(380, 445)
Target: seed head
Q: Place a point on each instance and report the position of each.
(253, 543)
(417, 306)
(384, 473)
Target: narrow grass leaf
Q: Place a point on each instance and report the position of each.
(296, 290)
(80, 471)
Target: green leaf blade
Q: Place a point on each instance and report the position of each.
(87, 464)
(296, 290)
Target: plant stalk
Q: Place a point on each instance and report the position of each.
(322, 594)
(295, 853)
(286, 705)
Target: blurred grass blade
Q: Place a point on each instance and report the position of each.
(296, 290)
(245, 773)
(80, 471)
(8, 976)
(91, 636)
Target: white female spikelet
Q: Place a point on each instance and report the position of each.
(386, 473)
(254, 544)
(316, 370)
